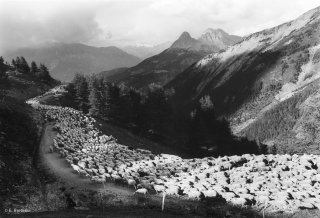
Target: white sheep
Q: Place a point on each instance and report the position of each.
(143, 191)
(210, 193)
(75, 168)
(194, 194)
(159, 188)
(131, 182)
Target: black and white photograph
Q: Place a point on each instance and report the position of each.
(160, 108)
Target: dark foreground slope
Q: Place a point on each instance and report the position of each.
(20, 131)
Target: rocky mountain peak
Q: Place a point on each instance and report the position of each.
(185, 41)
(211, 33)
(218, 38)
(185, 35)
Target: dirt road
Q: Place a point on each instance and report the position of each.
(60, 168)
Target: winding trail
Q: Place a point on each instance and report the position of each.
(60, 168)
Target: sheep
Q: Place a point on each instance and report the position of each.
(159, 188)
(142, 191)
(210, 193)
(193, 193)
(75, 168)
(172, 190)
(51, 148)
(131, 182)
(115, 178)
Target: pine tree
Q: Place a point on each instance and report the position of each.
(3, 68)
(18, 64)
(135, 115)
(14, 64)
(43, 72)
(107, 101)
(94, 97)
(102, 96)
(81, 93)
(113, 102)
(156, 108)
(24, 66)
(73, 91)
(34, 68)
(203, 130)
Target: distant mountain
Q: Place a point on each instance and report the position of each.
(185, 41)
(267, 84)
(144, 52)
(212, 40)
(64, 60)
(218, 38)
(162, 68)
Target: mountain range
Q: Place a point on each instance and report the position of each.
(162, 68)
(64, 60)
(267, 84)
(145, 51)
(212, 40)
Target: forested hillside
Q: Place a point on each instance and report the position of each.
(150, 114)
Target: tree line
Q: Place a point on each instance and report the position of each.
(20, 68)
(20, 65)
(150, 114)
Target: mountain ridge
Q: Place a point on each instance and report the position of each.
(254, 76)
(144, 52)
(162, 68)
(64, 60)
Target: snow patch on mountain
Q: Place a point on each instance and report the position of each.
(288, 42)
(245, 46)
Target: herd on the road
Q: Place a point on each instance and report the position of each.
(278, 182)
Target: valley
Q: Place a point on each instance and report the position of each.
(211, 124)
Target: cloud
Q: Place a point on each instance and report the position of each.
(124, 22)
(28, 23)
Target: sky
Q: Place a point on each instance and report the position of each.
(29, 23)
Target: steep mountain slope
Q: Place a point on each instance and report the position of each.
(144, 52)
(257, 75)
(64, 60)
(165, 66)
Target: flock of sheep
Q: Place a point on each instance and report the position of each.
(276, 182)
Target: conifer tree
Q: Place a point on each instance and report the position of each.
(14, 64)
(113, 102)
(81, 93)
(24, 66)
(34, 68)
(3, 68)
(156, 108)
(94, 97)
